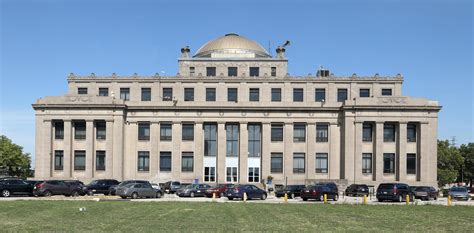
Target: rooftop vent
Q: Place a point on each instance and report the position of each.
(323, 72)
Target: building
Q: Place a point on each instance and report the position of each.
(233, 114)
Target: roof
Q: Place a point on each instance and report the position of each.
(232, 45)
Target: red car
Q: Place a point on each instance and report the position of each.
(219, 190)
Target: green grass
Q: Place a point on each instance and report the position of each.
(20, 216)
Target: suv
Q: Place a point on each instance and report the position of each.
(57, 187)
(394, 192)
(317, 192)
(15, 186)
(113, 188)
(331, 185)
(172, 186)
(292, 191)
(356, 190)
(100, 186)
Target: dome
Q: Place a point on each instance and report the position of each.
(232, 46)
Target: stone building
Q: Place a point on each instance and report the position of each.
(233, 114)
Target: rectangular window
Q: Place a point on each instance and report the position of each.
(411, 132)
(255, 137)
(143, 161)
(82, 90)
(101, 130)
(125, 93)
(232, 71)
(321, 163)
(146, 94)
(366, 163)
(388, 163)
(144, 131)
(232, 137)
(231, 174)
(298, 163)
(298, 95)
(320, 95)
(210, 71)
(79, 130)
(299, 132)
(273, 71)
(277, 133)
(210, 94)
(254, 94)
(367, 132)
(276, 163)
(254, 174)
(341, 95)
(209, 174)
(188, 132)
(232, 95)
(58, 159)
(411, 163)
(254, 71)
(167, 94)
(389, 132)
(79, 160)
(187, 162)
(364, 93)
(192, 71)
(58, 129)
(166, 132)
(276, 94)
(322, 132)
(165, 161)
(188, 94)
(100, 160)
(210, 139)
(103, 91)
(386, 92)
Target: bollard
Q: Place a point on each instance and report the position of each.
(325, 198)
(449, 200)
(285, 198)
(213, 196)
(365, 200)
(407, 199)
(245, 197)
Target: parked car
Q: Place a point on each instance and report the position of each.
(317, 192)
(425, 192)
(113, 188)
(100, 186)
(331, 185)
(394, 192)
(292, 191)
(79, 185)
(33, 182)
(357, 190)
(172, 186)
(252, 191)
(219, 189)
(57, 187)
(193, 190)
(156, 186)
(15, 186)
(138, 190)
(459, 193)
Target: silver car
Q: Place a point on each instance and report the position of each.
(139, 190)
(459, 193)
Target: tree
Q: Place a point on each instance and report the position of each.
(467, 152)
(449, 163)
(13, 162)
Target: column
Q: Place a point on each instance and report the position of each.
(47, 150)
(378, 152)
(118, 148)
(243, 153)
(266, 151)
(176, 152)
(154, 151)
(67, 148)
(288, 152)
(90, 153)
(423, 155)
(311, 150)
(199, 151)
(358, 151)
(347, 171)
(401, 152)
(109, 148)
(334, 151)
(221, 153)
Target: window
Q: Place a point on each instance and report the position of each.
(273, 71)
(79, 160)
(341, 95)
(58, 159)
(411, 132)
(210, 94)
(210, 139)
(277, 133)
(210, 71)
(276, 94)
(367, 132)
(254, 94)
(411, 163)
(298, 163)
(276, 164)
(254, 71)
(388, 163)
(101, 130)
(389, 132)
(188, 94)
(254, 143)
(58, 129)
(232, 71)
(386, 92)
(166, 132)
(167, 94)
(165, 161)
(103, 91)
(79, 130)
(298, 95)
(366, 163)
(322, 132)
(321, 163)
(254, 174)
(100, 160)
(187, 162)
(82, 90)
(146, 94)
(231, 174)
(364, 93)
(144, 131)
(232, 137)
(188, 132)
(144, 161)
(232, 95)
(125, 94)
(299, 132)
(192, 71)
(209, 174)
(320, 95)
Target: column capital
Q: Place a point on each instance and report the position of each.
(358, 122)
(221, 122)
(311, 123)
(89, 120)
(403, 122)
(109, 120)
(67, 120)
(266, 123)
(47, 120)
(154, 122)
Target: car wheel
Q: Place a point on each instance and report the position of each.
(435, 198)
(292, 196)
(90, 193)
(134, 195)
(336, 197)
(264, 196)
(191, 194)
(47, 193)
(221, 195)
(158, 194)
(305, 199)
(6, 193)
(230, 198)
(75, 193)
(400, 198)
(379, 199)
(123, 197)
(321, 198)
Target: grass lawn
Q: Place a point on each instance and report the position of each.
(20, 216)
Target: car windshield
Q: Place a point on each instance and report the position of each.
(94, 182)
(125, 183)
(175, 183)
(386, 186)
(459, 189)
(422, 189)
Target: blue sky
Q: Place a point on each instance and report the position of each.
(429, 42)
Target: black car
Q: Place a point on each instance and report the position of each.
(331, 185)
(357, 190)
(33, 182)
(252, 191)
(394, 192)
(58, 187)
(113, 188)
(292, 191)
(318, 191)
(100, 186)
(15, 186)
